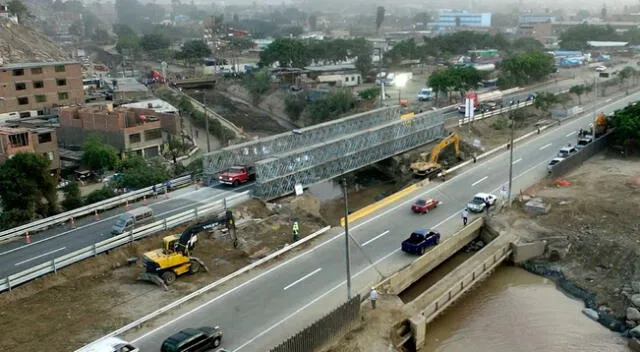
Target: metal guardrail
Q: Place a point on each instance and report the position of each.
(90, 209)
(57, 263)
(495, 112)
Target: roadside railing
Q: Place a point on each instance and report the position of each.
(55, 264)
(485, 115)
(91, 209)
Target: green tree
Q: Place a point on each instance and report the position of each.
(127, 38)
(335, 104)
(154, 41)
(139, 173)
(19, 9)
(193, 50)
(627, 124)
(100, 195)
(527, 68)
(544, 101)
(576, 37)
(294, 105)
(362, 50)
(441, 83)
(72, 197)
(578, 90)
(380, 12)
(625, 74)
(97, 155)
(258, 83)
(286, 52)
(369, 94)
(24, 182)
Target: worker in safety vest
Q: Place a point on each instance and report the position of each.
(296, 231)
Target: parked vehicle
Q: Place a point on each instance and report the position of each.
(425, 94)
(193, 340)
(582, 142)
(110, 344)
(564, 152)
(62, 184)
(423, 206)
(553, 163)
(237, 175)
(132, 219)
(419, 240)
(479, 202)
(601, 68)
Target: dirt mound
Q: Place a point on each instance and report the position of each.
(86, 300)
(22, 44)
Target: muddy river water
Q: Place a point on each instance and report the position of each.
(515, 311)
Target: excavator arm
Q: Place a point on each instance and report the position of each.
(452, 138)
(186, 242)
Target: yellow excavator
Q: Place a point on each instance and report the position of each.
(428, 167)
(174, 259)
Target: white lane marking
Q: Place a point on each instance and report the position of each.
(570, 134)
(180, 196)
(278, 323)
(608, 100)
(516, 161)
(302, 279)
(480, 180)
(375, 238)
(40, 256)
(340, 235)
(545, 146)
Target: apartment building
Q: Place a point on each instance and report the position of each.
(30, 140)
(30, 89)
(540, 31)
(141, 131)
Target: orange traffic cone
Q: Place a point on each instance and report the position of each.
(97, 215)
(73, 223)
(144, 200)
(27, 238)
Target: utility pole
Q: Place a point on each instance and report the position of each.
(378, 77)
(346, 236)
(513, 123)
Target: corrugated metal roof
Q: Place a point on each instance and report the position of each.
(596, 43)
(36, 64)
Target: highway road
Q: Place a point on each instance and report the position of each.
(277, 303)
(16, 256)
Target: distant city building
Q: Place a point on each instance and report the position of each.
(540, 31)
(5, 13)
(30, 89)
(525, 19)
(137, 130)
(42, 141)
(447, 18)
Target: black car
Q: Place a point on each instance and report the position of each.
(193, 340)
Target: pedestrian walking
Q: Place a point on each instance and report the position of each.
(155, 193)
(296, 231)
(487, 205)
(373, 297)
(474, 157)
(465, 217)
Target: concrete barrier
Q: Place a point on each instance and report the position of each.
(521, 252)
(402, 279)
(372, 208)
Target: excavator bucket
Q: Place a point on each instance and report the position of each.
(153, 278)
(199, 261)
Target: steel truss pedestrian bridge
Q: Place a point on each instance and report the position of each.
(322, 152)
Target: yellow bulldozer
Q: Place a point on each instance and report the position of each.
(428, 167)
(174, 259)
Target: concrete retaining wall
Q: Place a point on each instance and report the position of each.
(521, 252)
(399, 281)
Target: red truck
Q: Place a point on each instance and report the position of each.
(237, 175)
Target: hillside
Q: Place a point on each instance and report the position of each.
(22, 44)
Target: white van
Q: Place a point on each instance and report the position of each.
(109, 344)
(132, 219)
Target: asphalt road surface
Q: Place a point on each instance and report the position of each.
(16, 256)
(277, 303)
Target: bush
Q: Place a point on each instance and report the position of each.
(99, 195)
(335, 104)
(294, 105)
(72, 198)
(500, 123)
(369, 93)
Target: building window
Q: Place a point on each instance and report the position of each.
(25, 114)
(21, 86)
(61, 82)
(49, 155)
(36, 71)
(18, 72)
(38, 84)
(23, 101)
(134, 138)
(44, 137)
(41, 98)
(60, 68)
(19, 140)
(63, 96)
(150, 135)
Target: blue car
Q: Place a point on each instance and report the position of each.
(420, 240)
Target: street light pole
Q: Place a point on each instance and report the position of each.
(206, 119)
(513, 122)
(346, 236)
(380, 78)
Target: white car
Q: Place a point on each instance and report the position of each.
(63, 183)
(478, 203)
(564, 152)
(553, 163)
(601, 68)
